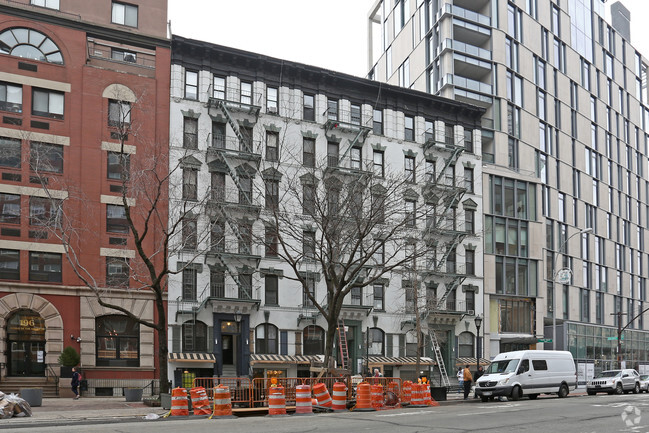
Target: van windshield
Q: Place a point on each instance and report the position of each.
(504, 366)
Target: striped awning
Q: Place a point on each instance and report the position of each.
(470, 361)
(191, 357)
(257, 358)
(399, 360)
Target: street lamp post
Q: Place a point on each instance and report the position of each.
(478, 322)
(554, 283)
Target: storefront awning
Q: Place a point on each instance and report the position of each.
(257, 358)
(399, 360)
(191, 357)
(470, 362)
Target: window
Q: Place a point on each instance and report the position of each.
(379, 297)
(189, 233)
(9, 264)
(469, 258)
(190, 133)
(194, 336)
(217, 283)
(266, 339)
(11, 96)
(468, 140)
(515, 316)
(332, 109)
(190, 180)
(512, 153)
(117, 272)
(245, 240)
(308, 109)
(246, 93)
(44, 211)
(310, 288)
(271, 242)
(308, 245)
(355, 114)
(10, 152)
(124, 14)
(118, 341)
(218, 85)
(470, 300)
(468, 179)
(377, 123)
(308, 199)
(9, 208)
(410, 215)
(409, 128)
(410, 297)
(332, 154)
(272, 98)
(123, 55)
(465, 344)
(189, 275)
(118, 167)
(218, 135)
(191, 85)
(409, 166)
(539, 364)
(449, 135)
(313, 340)
(51, 4)
(272, 146)
(116, 219)
(44, 267)
(356, 158)
(375, 339)
(469, 220)
(47, 103)
(29, 44)
(271, 292)
(119, 113)
(378, 163)
(308, 152)
(45, 157)
(272, 193)
(245, 191)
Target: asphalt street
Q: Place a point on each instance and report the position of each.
(584, 414)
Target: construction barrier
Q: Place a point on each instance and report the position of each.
(376, 392)
(260, 386)
(406, 392)
(303, 404)
(321, 393)
(200, 402)
(392, 396)
(276, 401)
(240, 388)
(363, 397)
(339, 396)
(179, 404)
(417, 395)
(222, 402)
(428, 398)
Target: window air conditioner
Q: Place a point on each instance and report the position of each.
(272, 110)
(470, 312)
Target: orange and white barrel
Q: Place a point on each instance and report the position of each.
(363, 397)
(179, 404)
(406, 394)
(222, 401)
(417, 395)
(200, 402)
(303, 405)
(377, 396)
(276, 401)
(322, 395)
(339, 396)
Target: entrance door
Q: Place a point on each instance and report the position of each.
(228, 349)
(27, 358)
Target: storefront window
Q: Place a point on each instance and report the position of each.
(118, 341)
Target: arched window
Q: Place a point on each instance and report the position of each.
(117, 341)
(313, 339)
(465, 344)
(266, 339)
(29, 44)
(194, 337)
(376, 342)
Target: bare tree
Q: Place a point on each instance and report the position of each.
(156, 225)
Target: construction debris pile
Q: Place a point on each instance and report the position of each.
(12, 405)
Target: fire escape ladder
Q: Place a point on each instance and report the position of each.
(342, 344)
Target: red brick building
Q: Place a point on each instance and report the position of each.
(67, 69)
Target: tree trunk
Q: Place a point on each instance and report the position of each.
(329, 345)
(162, 347)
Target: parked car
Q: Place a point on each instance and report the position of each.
(615, 382)
(644, 383)
(529, 373)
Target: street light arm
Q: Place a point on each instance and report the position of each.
(635, 317)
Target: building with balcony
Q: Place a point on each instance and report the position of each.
(563, 155)
(69, 69)
(249, 134)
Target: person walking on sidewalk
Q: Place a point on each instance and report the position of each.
(467, 381)
(460, 380)
(76, 381)
(478, 375)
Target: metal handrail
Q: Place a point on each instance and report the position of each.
(49, 372)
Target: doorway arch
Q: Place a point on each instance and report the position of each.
(25, 343)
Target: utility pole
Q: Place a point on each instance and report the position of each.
(619, 315)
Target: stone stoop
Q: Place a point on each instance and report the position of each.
(10, 385)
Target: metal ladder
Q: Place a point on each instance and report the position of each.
(438, 357)
(342, 344)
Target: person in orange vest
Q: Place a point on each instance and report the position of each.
(466, 374)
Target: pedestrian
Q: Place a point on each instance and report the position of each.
(377, 373)
(76, 381)
(477, 376)
(460, 380)
(467, 381)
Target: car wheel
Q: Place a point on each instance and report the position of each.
(591, 392)
(618, 389)
(516, 393)
(563, 391)
(484, 399)
(636, 388)
(533, 396)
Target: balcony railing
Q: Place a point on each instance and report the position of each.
(119, 54)
(465, 83)
(221, 143)
(466, 14)
(464, 48)
(448, 305)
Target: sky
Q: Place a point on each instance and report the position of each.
(331, 34)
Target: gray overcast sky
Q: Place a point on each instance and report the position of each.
(327, 33)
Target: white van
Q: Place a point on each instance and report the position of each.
(529, 373)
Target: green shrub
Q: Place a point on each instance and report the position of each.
(69, 357)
